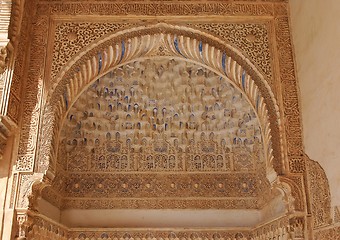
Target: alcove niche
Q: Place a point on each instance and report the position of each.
(162, 142)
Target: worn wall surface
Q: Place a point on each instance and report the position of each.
(316, 38)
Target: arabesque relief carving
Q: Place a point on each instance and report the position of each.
(20, 19)
(33, 91)
(156, 185)
(251, 38)
(160, 155)
(71, 37)
(289, 93)
(162, 9)
(152, 203)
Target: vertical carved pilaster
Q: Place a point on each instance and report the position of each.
(319, 195)
(24, 223)
(3, 59)
(11, 15)
(33, 92)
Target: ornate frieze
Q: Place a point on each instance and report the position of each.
(114, 156)
(159, 185)
(168, 8)
(166, 235)
(152, 203)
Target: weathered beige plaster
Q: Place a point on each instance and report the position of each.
(316, 38)
(164, 218)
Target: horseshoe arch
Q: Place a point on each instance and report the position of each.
(159, 40)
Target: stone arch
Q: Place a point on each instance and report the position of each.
(296, 192)
(159, 40)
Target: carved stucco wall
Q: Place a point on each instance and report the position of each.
(265, 43)
(316, 34)
(250, 38)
